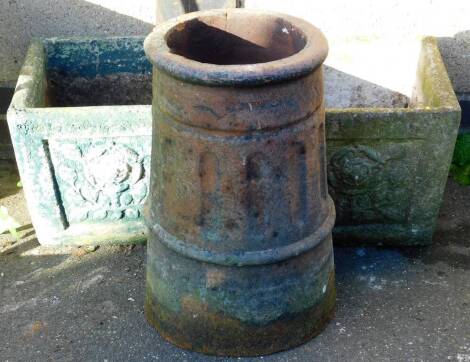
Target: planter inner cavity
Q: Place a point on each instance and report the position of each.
(367, 73)
(344, 90)
(96, 73)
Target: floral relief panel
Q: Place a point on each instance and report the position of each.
(372, 183)
(103, 179)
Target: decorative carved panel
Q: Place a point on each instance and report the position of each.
(372, 183)
(104, 179)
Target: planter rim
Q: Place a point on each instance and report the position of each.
(299, 64)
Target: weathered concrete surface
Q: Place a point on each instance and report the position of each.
(392, 304)
(84, 168)
(344, 90)
(455, 52)
(385, 173)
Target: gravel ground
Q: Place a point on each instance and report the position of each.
(74, 304)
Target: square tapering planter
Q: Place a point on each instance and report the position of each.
(81, 124)
(388, 160)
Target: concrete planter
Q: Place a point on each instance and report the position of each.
(81, 139)
(388, 165)
(388, 161)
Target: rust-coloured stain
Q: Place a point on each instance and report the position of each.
(240, 259)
